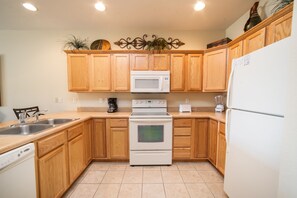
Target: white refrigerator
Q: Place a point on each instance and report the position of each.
(254, 122)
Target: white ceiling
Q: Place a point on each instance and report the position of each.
(147, 14)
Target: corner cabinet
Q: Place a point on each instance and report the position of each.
(214, 71)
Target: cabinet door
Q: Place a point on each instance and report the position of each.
(139, 62)
(121, 72)
(119, 146)
(254, 41)
(53, 173)
(78, 72)
(177, 72)
(212, 141)
(100, 72)
(159, 62)
(279, 29)
(221, 152)
(88, 141)
(76, 157)
(234, 51)
(99, 139)
(194, 73)
(200, 139)
(214, 71)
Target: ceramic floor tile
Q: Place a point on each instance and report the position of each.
(113, 177)
(153, 191)
(84, 191)
(151, 168)
(134, 168)
(199, 190)
(176, 191)
(211, 176)
(204, 166)
(172, 167)
(130, 191)
(133, 177)
(117, 167)
(217, 190)
(93, 177)
(185, 166)
(171, 177)
(108, 191)
(97, 166)
(191, 176)
(152, 177)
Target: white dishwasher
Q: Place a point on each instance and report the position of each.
(17, 173)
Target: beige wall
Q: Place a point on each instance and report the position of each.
(34, 69)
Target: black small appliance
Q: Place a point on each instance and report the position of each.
(112, 105)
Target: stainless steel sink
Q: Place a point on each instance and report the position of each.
(56, 121)
(24, 129)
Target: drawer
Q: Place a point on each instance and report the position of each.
(182, 141)
(181, 153)
(182, 122)
(75, 131)
(182, 131)
(50, 143)
(118, 122)
(222, 128)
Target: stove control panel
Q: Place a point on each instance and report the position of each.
(149, 103)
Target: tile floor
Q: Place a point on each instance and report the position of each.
(118, 179)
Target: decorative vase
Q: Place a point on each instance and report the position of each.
(254, 17)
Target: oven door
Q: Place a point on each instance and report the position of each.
(150, 134)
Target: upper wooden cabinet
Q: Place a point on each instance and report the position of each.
(78, 72)
(139, 62)
(254, 41)
(214, 71)
(159, 62)
(194, 72)
(177, 73)
(234, 51)
(121, 72)
(279, 29)
(100, 72)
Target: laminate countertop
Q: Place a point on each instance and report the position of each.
(9, 142)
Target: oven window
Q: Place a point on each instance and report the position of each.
(147, 83)
(153, 133)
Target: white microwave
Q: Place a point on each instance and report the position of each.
(150, 81)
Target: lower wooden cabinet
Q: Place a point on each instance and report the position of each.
(88, 141)
(221, 148)
(212, 141)
(182, 132)
(200, 139)
(99, 139)
(76, 157)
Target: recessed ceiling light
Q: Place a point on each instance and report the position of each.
(200, 5)
(30, 6)
(100, 6)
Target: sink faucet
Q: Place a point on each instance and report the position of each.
(22, 117)
(38, 113)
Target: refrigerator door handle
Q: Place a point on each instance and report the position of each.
(230, 84)
(227, 128)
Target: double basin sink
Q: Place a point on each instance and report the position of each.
(35, 127)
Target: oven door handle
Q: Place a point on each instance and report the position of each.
(150, 120)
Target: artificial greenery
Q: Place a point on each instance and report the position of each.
(157, 44)
(75, 43)
(280, 5)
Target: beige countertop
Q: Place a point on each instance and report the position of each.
(9, 142)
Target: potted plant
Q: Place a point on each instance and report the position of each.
(75, 43)
(157, 44)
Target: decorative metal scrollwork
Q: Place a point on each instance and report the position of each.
(158, 43)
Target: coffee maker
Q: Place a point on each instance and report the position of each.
(112, 105)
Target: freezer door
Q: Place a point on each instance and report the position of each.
(258, 80)
(253, 154)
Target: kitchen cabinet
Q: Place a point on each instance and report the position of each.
(194, 72)
(182, 132)
(78, 72)
(254, 41)
(118, 133)
(75, 151)
(139, 62)
(200, 139)
(212, 141)
(159, 62)
(88, 141)
(177, 72)
(234, 51)
(100, 72)
(120, 72)
(214, 71)
(99, 148)
(221, 148)
(279, 29)
(52, 165)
